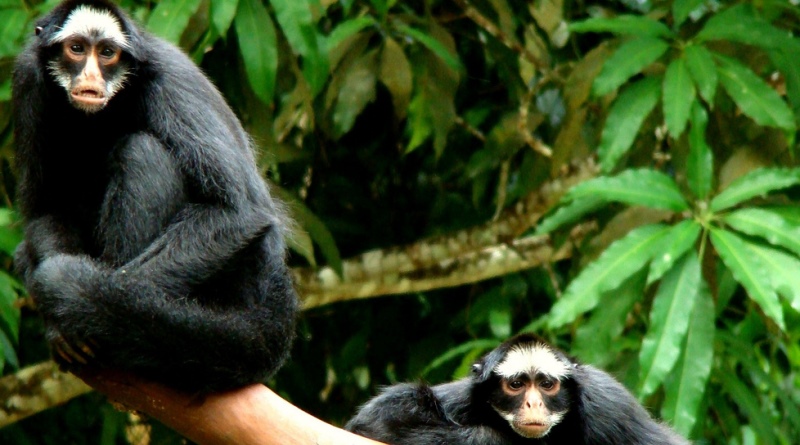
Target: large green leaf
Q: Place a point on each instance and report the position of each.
(669, 322)
(619, 261)
(635, 25)
(749, 403)
(434, 45)
(700, 162)
(222, 14)
(348, 28)
(395, 74)
(682, 8)
(685, 387)
(171, 17)
(625, 118)
(597, 339)
(783, 269)
(9, 311)
(750, 271)
(569, 212)
(316, 229)
(258, 45)
(678, 96)
(758, 182)
(297, 23)
(12, 27)
(700, 62)
(754, 96)
(629, 59)
(358, 90)
(680, 239)
(645, 187)
(766, 224)
(742, 24)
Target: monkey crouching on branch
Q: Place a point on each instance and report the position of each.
(152, 244)
(523, 392)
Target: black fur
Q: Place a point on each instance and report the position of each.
(600, 411)
(150, 234)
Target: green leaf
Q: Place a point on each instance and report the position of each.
(625, 118)
(458, 351)
(785, 59)
(597, 339)
(645, 187)
(754, 96)
(749, 271)
(315, 227)
(12, 27)
(619, 261)
(395, 74)
(678, 96)
(222, 14)
(685, 387)
(569, 212)
(700, 162)
(9, 312)
(669, 322)
(297, 23)
(629, 59)
(749, 403)
(700, 62)
(500, 321)
(171, 17)
(434, 45)
(347, 29)
(358, 90)
(766, 224)
(742, 24)
(682, 8)
(783, 270)
(673, 246)
(758, 182)
(635, 25)
(258, 44)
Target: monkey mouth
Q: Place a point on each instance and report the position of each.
(533, 429)
(89, 97)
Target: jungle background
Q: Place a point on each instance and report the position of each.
(618, 176)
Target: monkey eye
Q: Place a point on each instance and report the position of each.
(76, 48)
(107, 52)
(516, 384)
(547, 384)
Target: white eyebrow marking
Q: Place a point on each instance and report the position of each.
(531, 358)
(89, 22)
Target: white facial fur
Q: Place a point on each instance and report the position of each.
(91, 23)
(532, 358)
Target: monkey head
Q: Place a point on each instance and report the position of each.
(527, 383)
(88, 53)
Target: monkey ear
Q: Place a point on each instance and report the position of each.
(483, 368)
(38, 30)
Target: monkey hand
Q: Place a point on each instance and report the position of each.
(64, 288)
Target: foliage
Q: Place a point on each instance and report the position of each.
(385, 122)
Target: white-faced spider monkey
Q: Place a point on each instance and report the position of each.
(152, 243)
(524, 392)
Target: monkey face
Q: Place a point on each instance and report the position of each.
(90, 66)
(531, 404)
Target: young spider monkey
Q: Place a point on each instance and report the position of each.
(152, 243)
(524, 392)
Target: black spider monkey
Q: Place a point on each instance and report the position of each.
(152, 243)
(524, 392)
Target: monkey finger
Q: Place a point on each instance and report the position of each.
(66, 348)
(88, 352)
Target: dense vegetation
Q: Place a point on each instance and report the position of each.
(388, 124)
